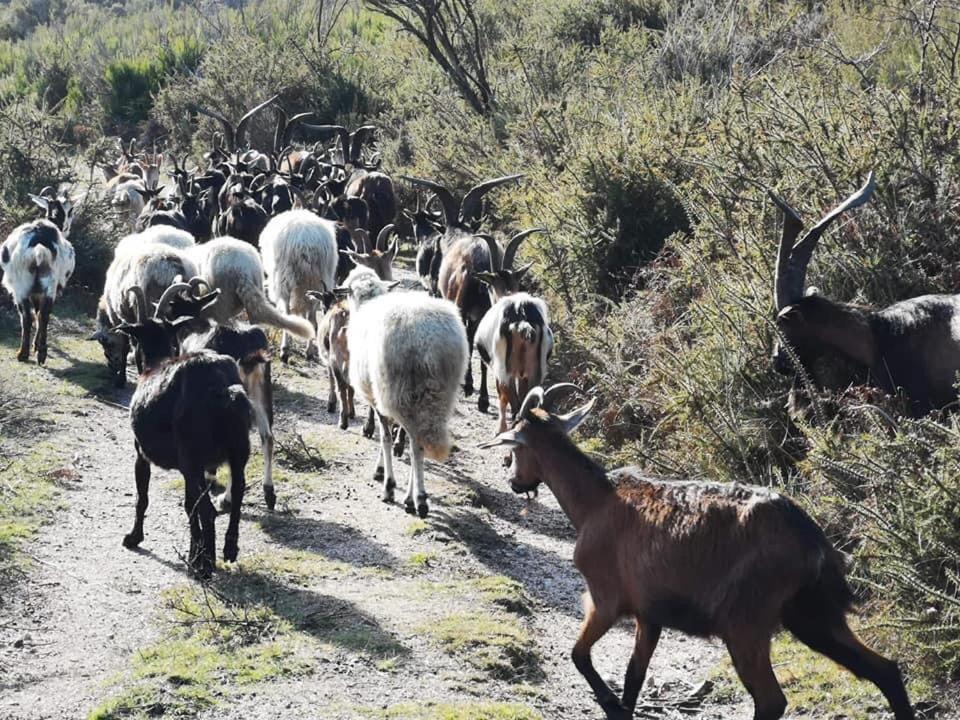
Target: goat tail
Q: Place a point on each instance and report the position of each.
(823, 603)
(262, 312)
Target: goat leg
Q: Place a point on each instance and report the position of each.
(384, 469)
(483, 399)
(333, 388)
(200, 514)
(399, 441)
(416, 476)
(142, 473)
(368, 426)
(238, 483)
(595, 626)
(26, 329)
(43, 319)
(645, 643)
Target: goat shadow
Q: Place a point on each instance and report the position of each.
(544, 574)
(506, 505)
(92, 377)
(326, 617)
(333, 540)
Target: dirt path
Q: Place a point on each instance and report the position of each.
(370, 610)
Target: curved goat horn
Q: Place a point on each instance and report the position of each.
(511, 252)
(291, 126)
(496, 254)
(451, 208)
(533, 400)
(383, 236)
(176, 287)
(793, 259)
(195, 282)
(357, 138)
(229, 132)
(341, 132)
(555, 392)
(470, 207)
(241, 131)
(140, 301)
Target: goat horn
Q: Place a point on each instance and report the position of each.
(533, 400)
(341, 132)
(383, 236)
(510, 253)
(229, 132)
(357, 138)
(195, 282)
(241, 131)
(140, 301)
(175, 288)
(496, 255)
(291, 126)
(451, 207)
(792, 260)
(554, 392)
(470, 207)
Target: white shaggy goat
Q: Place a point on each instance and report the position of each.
(299, 254)
(127, 198)
(514, 338)
(37, 260)
(408, 355)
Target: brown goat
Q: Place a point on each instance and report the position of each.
(332, 333)
(378, 258)
(463, 256)
(708, 559)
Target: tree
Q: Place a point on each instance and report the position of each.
(450, 31)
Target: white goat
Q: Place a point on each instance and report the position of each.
(37, 260)
(127, 198)
(299, 254)
(514, 338)
(408, 355)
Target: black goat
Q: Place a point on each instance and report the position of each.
(189, 413)
(912, 346)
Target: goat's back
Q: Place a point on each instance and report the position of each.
(191, 408)
(299, 254)
(155, 235)
(465, 256)
(233, 267)
(707, 558)
(408, 354)
(151, 267)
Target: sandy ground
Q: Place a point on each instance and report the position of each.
(69, 629)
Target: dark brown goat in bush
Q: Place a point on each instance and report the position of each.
(912, 346)
(709, 559)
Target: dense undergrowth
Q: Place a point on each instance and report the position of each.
(648, 132)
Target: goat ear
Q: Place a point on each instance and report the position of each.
(485, 277)
(39, 201)
(510, 438)
(572, 419)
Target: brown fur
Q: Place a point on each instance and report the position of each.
(710, 559)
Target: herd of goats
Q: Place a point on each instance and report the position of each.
(299, 239)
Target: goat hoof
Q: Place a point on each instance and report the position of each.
(41, 357)
(387, 495)
(378, 474)
(409, 507)
(331, 406)
(467, 390)
(398, 450)
(270, 497)
(284, 356)
(615, 710)
(344, 423)
(132, 540)
(368, 431)
(23, 355)
(422, 509)
(202, 566)
(507, 460)
(483, 403)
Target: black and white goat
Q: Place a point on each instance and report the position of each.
(189, 413)
(37, 260)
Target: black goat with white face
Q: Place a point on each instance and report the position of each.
(913, 346)
(189, 413)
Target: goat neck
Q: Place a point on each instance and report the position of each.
(579, 484)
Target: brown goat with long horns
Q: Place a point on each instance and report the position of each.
(709, 559)
(912, 346)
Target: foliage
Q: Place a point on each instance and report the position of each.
(648, 133)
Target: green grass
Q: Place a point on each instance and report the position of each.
(415, 528)
(421, 559)
(28, 494)
(492, 642)
(453, 711)
(814, 685)
(499, 590)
